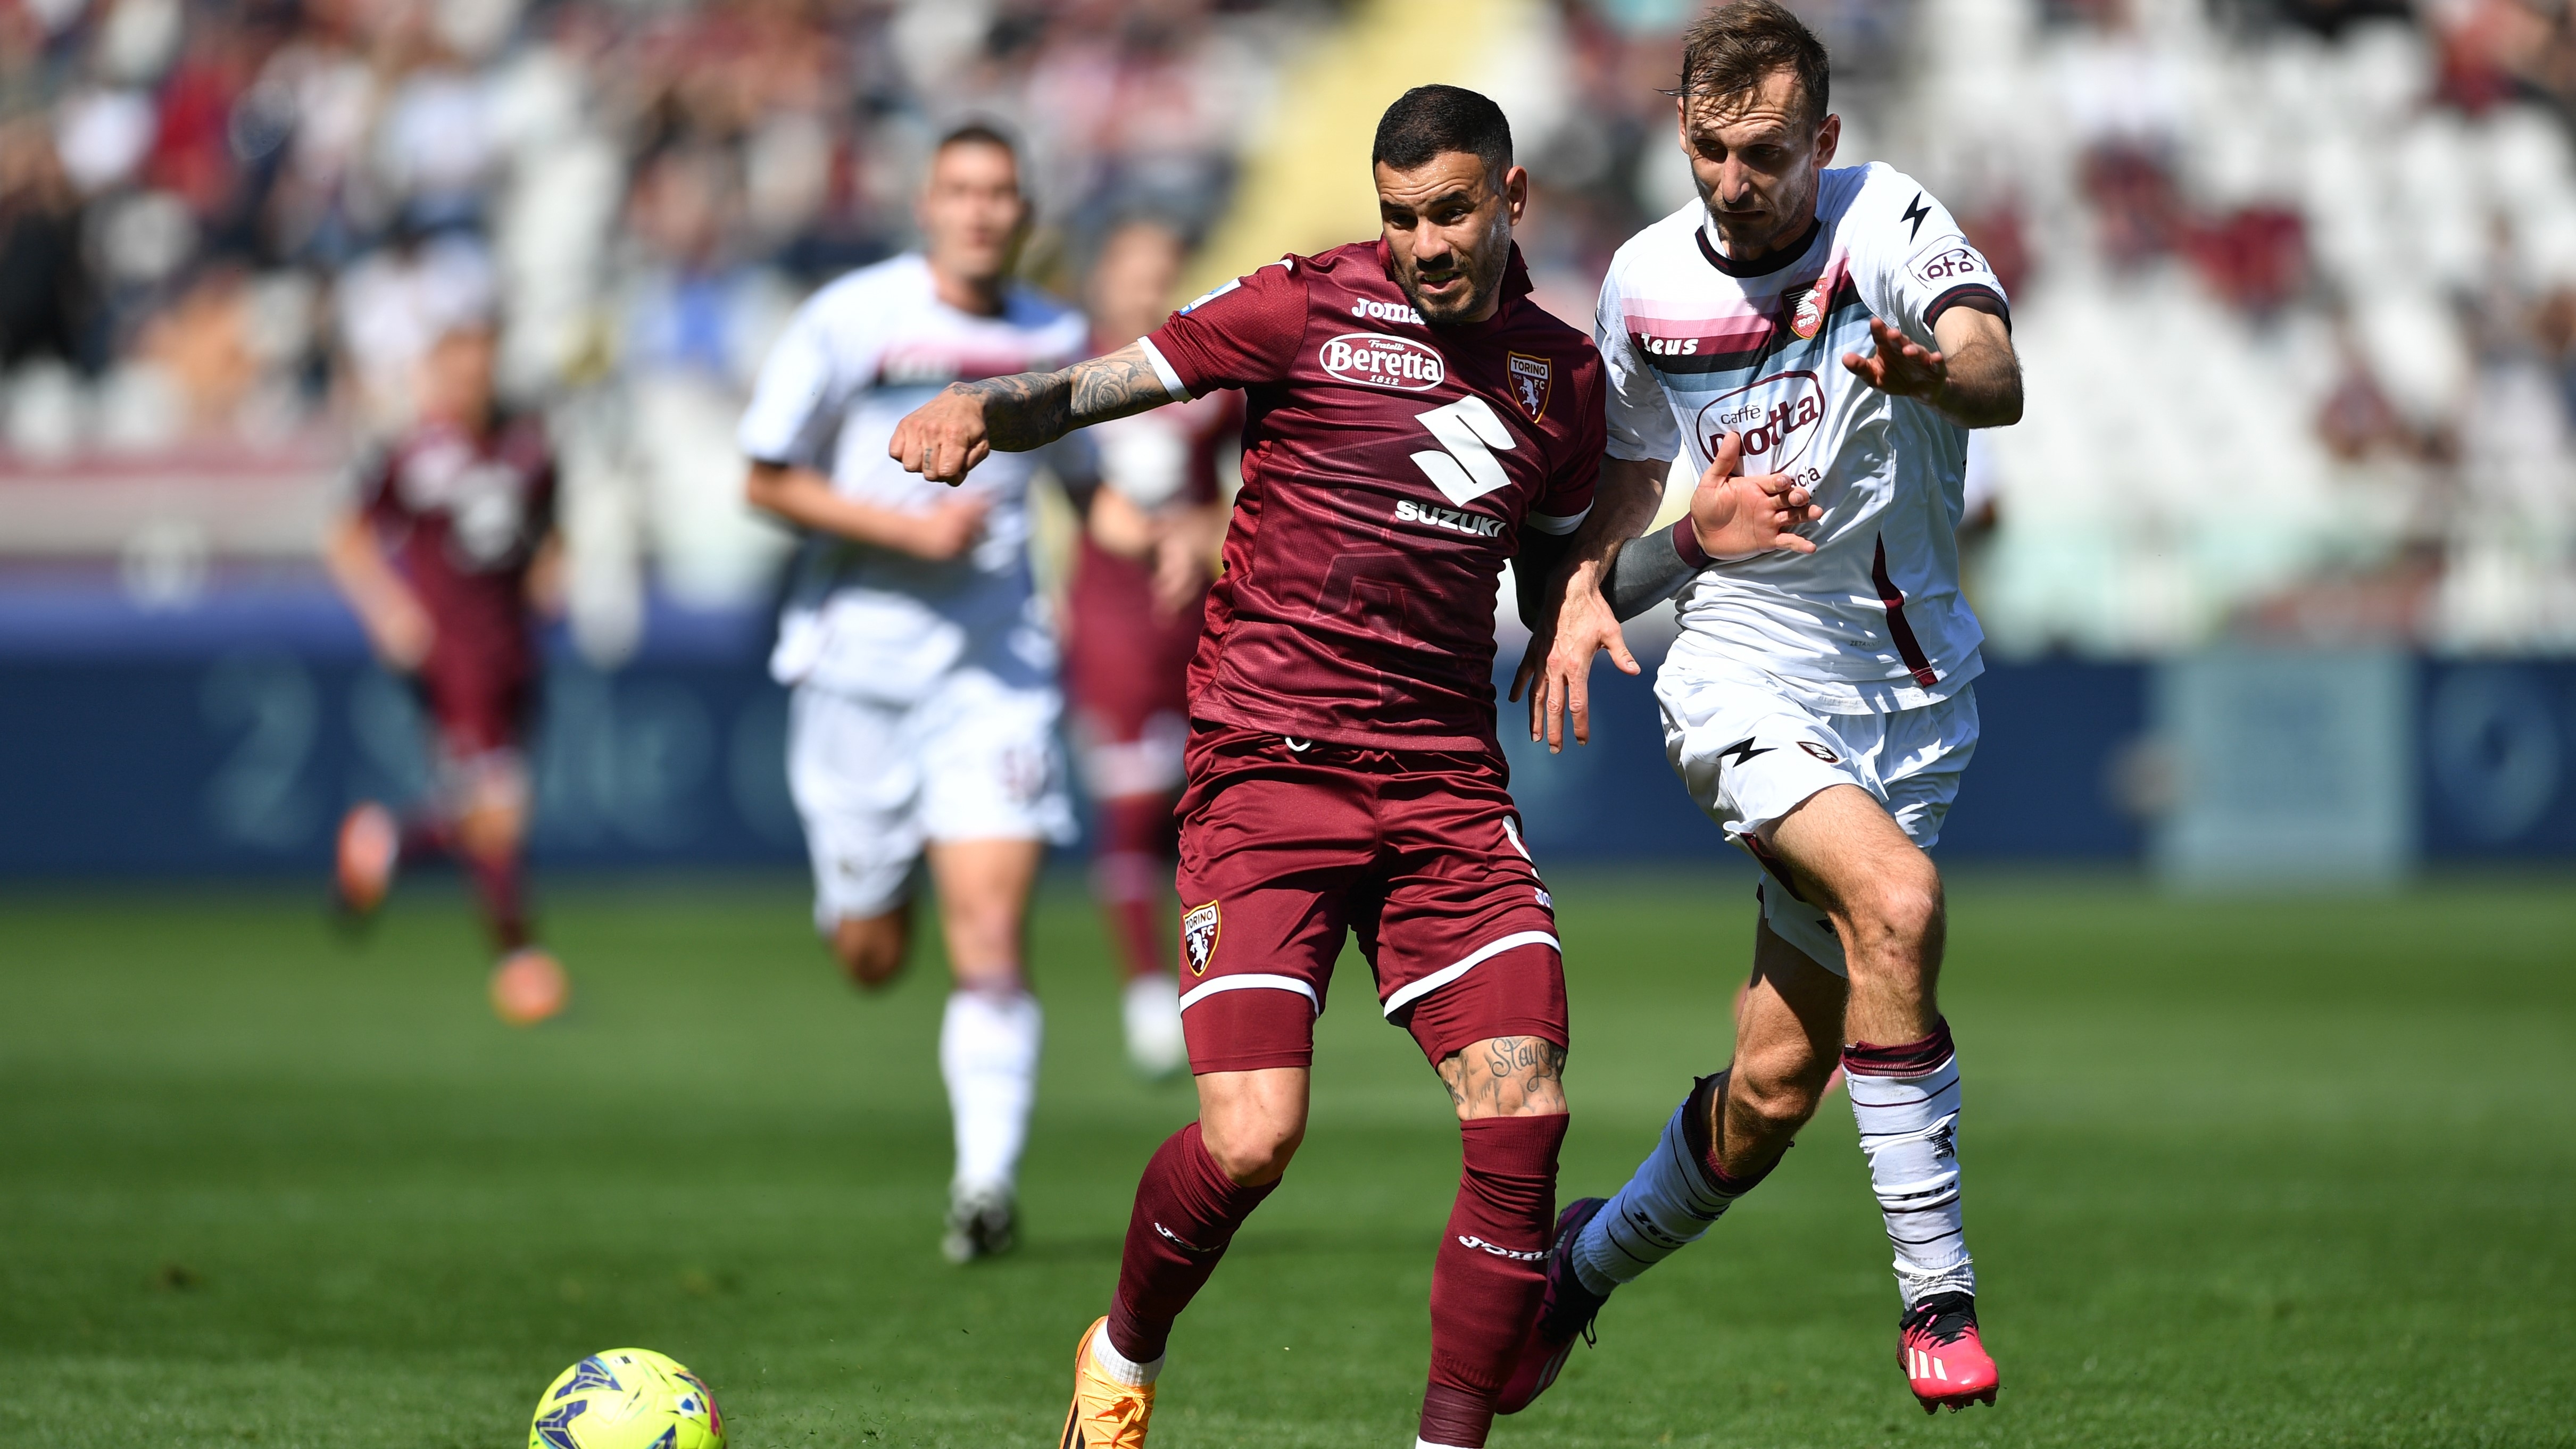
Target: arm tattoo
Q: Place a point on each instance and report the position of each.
(1031, 409)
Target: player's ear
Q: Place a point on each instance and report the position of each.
(1516, 192)
(1829, 137)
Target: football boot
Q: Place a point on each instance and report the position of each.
(1565, 1313)
(529, 987)
(981, 1224)
(1106, 1414)
(1944, 1361)
(370, 844)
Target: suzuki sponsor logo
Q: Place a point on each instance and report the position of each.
(1476, 524)
(1778, 417)
(1386, 312)
(1370, 357)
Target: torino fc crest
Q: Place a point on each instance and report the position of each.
(1530, 377)
(1199, 928)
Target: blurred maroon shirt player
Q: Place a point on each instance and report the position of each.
(447, 542)
(1139, 586)
(1415, 423)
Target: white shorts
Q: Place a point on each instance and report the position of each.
(973, 759)
(1749, 753)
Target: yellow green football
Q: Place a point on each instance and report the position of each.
(627, 1398)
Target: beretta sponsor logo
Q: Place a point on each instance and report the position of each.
(1777, 416)
(1373, 357)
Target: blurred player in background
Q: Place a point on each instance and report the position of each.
(923, 670)
(445, 553)
(1140, 580)
(1833, 335)
(1418, 422)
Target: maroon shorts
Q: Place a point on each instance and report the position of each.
(476, 708)
(1285, 845)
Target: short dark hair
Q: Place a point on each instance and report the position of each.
(1428, 120)
(978, 133)
(1736, 46)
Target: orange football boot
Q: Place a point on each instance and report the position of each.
(1106, 1414)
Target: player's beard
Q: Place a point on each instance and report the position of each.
(1783, 206)
(1484, 269)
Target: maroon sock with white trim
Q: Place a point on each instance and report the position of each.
(1186, 1214)
(1485, 1285)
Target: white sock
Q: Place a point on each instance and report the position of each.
(1152, 1006)
(1118, 1367)
(1427, 1444)
(988, 1055)
(1663, 1209)
(1906, 1129)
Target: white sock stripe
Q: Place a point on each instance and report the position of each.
(1446, 974)
(1250, 981)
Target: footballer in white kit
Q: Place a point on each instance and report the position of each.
(923, 669)
(1818, 341)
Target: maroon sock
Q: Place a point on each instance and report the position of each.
(1132, 876)
(426, 838)
(1492, 1266)
(496, 883)
(1186, 1212)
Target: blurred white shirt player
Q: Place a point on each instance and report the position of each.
(924, 707)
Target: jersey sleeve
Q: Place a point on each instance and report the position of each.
(1242, 334)
(796, 406)
(1560, 509)
(1918, 263)
(1636, 416)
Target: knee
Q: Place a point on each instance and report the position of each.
(1779, 1093)
(870, 951)
(1252, 1148)
(1900, 910)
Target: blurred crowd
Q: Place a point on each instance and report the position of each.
(231, 225)
(2295, 280)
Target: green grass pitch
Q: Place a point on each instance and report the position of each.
(2288, 1172)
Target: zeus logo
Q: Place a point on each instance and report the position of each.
(1915, 214)
(1468, 432)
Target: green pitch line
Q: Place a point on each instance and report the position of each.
(2293, 1172)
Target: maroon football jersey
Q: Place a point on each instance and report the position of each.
(1388, 469)
(462, 517)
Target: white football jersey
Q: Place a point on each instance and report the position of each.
(1873, 620)
(858, 356)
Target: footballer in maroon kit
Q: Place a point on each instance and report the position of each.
(1415, 422)
(450, 533)
(1139, 588)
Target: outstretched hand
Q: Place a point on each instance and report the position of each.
(944, 438)
(1899, 365)
(1556, 668)
(1734, 515)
